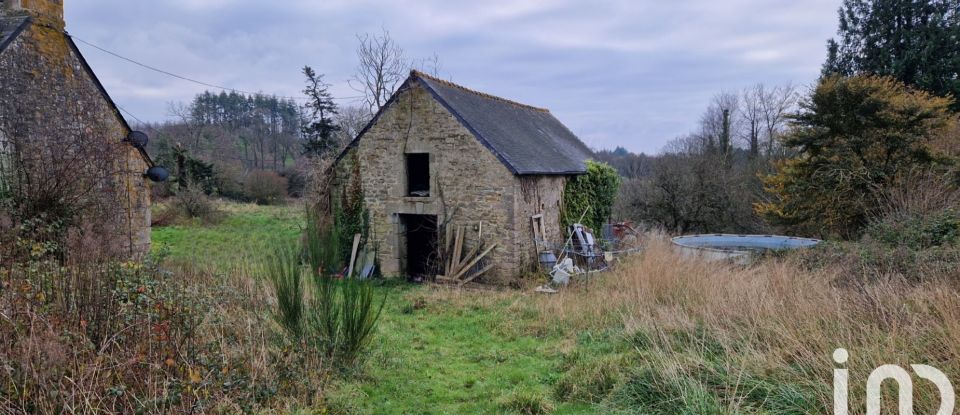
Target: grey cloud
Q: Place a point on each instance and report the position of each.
(618, 72)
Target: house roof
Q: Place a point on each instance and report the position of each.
(526, 139)
(12, 26)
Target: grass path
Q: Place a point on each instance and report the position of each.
(439, 352)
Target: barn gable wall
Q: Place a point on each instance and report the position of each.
(469, 184)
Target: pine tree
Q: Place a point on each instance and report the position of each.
(320, 130)
(914, 41)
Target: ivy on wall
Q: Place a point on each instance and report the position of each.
(594, 193)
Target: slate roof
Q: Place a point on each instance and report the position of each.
(526, 139)
(10, 28)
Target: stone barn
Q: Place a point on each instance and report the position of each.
(63, 140)
(439, 156)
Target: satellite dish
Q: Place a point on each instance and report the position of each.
(139, 139)
(158, 174)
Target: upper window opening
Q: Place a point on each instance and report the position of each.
(418, 174)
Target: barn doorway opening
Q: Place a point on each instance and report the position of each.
(420, 245)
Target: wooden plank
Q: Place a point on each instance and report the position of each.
(472, 253)
(477, 274)
(457, 249)
(450, 254)
(448, 244)
(474, 262)
(353, 255)
(539, 234)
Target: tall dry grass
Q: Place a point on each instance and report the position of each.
(717, 337)
(182, 341)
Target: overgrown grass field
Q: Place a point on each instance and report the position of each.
(659, 335)
(242, 233)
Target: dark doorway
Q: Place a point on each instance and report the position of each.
(420, 233)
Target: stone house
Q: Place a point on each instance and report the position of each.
(58, 124)
(438, 156)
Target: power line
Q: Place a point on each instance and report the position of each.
(188, 79)
(131, 114)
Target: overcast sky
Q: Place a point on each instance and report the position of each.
(631, 73)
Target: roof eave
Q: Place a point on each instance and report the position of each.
(552, 173)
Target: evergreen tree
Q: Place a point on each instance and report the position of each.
(852, 137)
(914, 41)
(320, 129)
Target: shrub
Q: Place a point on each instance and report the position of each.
(296, 181)
(339, 317)
(283, 270)
(919, 233)
(193, 203)
(597, 190)
(265, 187)
(229, 182)
(359, 312)
(128, 338)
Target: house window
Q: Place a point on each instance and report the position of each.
(418, 174)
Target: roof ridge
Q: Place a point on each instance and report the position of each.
(475, 92)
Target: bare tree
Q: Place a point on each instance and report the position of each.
(720, 122)
(753, 117)
(352, 120)
(776, 104)
(383, 66)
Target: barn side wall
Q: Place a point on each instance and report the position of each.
(537, 195)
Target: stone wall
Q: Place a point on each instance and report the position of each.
(52, 110)
(537, 195)
(469, 185)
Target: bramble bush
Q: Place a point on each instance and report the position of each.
(127, 337)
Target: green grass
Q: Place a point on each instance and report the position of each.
(443, 355)
(246, 231)
(470, 355)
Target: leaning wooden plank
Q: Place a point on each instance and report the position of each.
(450, 255)
(475, 275)
(466, 258)
(353, 255)
(474, 262)
(448, 245)
(457, 249)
